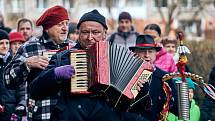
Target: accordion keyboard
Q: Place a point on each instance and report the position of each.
(79, 81)
(145, 76)
(49, 54)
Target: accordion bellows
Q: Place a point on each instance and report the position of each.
(111, 70)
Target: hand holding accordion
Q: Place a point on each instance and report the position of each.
(109, 69)
(64, 72)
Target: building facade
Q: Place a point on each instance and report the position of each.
(195, 18)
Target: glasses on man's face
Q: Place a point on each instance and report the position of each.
(92, 32)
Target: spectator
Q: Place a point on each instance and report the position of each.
(163, 60)
(12, 100)
(25, 27)
(194, 109)
(16, 40)
(73, 33)
(170, 44)
(126, 34)
(4, 59)
(2, 25)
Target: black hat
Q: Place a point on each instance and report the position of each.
(145, 42)
(3, 34)
(93, 16)
(124, 15)
(72, 27)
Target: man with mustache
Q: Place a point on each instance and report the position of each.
(89, 107)
(29, 60)
(25, 27)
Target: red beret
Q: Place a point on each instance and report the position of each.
(16, 36)
(52, 16)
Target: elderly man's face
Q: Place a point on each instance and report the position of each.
(90, 33)
(4, 46)
(148, 55)
(59, 32)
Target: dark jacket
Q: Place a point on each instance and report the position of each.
(17, 73)
(151, 105)
(208, 107)
(10, 98)
(74, 107)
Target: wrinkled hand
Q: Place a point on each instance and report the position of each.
(40, 62)
(64, 72)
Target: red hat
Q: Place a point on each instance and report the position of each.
(16, 36)
(52, 16)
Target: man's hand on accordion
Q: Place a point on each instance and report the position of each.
(64, 72)
(140, 84)
(143, 87)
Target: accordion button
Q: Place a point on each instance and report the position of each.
(79, 106)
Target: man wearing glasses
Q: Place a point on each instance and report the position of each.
(92, 28)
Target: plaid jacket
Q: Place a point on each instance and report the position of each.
(17, 72)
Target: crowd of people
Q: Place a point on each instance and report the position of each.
(35, 88)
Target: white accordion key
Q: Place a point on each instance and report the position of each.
(143, 77)
(49, 54)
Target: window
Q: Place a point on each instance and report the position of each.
(42, 3)
(17, 5)
(195, 3)
(68, 3)
(192, 27)
(190, 3)
(115, 3)
(134, 2)
(72, 3)
(64, 2)
(184, 3)
(160, 3)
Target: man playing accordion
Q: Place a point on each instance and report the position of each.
(54, 80)
(150, 101)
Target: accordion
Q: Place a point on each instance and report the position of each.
(111, 70)
(49, 53)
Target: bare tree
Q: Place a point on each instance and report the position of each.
(175, 8)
